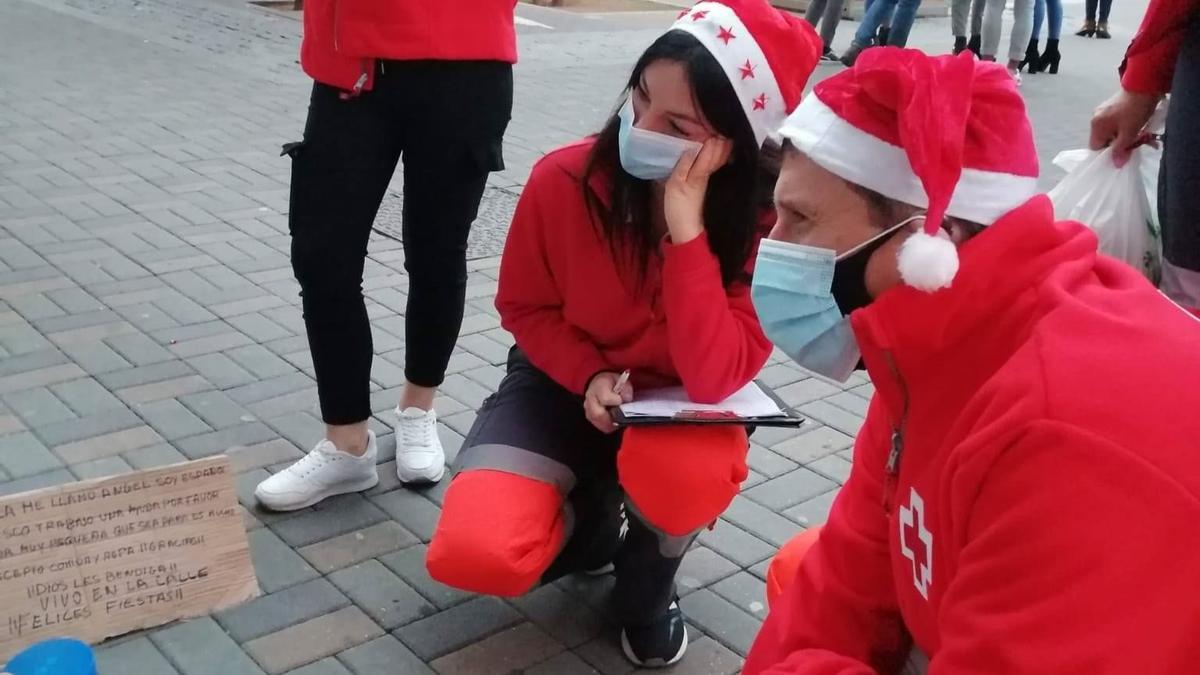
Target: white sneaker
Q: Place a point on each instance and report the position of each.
(323, 472)
(419, 454)
(1016, 75)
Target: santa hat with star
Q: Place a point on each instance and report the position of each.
(948, 134)
(767, 55)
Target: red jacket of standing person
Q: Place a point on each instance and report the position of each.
(1150, 62)
(573, 312)
(342, 38)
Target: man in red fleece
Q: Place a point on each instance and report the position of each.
(1026, 486)
(1164, 57)
(429, 80)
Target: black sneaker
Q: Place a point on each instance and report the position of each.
(830, 55)
(657, 644)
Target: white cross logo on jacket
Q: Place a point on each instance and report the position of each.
(916, 542)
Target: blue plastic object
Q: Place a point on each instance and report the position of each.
(54, 657)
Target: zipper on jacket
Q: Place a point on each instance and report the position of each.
(891, 470)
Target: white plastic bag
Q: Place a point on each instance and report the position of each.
(1116, 203)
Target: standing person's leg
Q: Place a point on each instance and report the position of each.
(976, 41)
(1033, 59)
(1049, 59)
(993, 25)
(829, 24)
(959, 11)
(816, 9)
(1018, 40)
(865, 35)
(906, 13)
(883, 36)
(453, 143)
(1102, 20)
(1054, 13)
(1089, 22)
(1179, 201)
(340, 172)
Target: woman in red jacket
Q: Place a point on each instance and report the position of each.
(629, 251)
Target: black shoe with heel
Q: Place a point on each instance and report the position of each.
(974, 44)
(1032, 61)
(881, 36)
(960, 44)
(1088, 30)
(1102, 31)
(1049, 59)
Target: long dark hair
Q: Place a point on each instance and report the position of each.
(736, 192)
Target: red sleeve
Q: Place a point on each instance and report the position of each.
(1080, 558)
(840, 614)
(1150, 61)
(528, 297)
(716, 342)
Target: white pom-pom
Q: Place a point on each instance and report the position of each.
(927, 262)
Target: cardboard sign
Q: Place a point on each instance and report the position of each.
(104, 557)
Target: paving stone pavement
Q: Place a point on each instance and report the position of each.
(148, 315)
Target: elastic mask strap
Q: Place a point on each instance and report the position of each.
(881, 235)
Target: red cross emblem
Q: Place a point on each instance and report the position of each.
(725, 35)
(760, 103)
(696, 16)
(916, 542)
(747, 71)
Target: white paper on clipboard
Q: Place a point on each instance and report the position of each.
(748, 402)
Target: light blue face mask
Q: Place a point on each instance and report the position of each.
(792, 296)
(648, 155)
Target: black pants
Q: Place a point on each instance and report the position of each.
(1179, 177)
(532, 426)
(1090, 10)
(447, 120)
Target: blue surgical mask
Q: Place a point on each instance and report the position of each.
(793, 296)
(648, 155)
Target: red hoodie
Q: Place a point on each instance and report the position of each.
(1043, 515)
(1150, 62)
(342, 38)
(574, 314)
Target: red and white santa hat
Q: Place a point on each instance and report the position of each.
(945, 133)
(766, 54)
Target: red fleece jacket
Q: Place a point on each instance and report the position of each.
(1042, 513)
(1150, 61)
(342, 38)
(574, 313)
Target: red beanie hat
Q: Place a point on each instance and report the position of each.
(945, 133)
(767, 55)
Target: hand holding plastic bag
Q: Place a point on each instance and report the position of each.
(1119, 204)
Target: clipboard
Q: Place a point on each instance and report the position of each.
(676, 411)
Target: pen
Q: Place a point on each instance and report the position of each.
(621, 382)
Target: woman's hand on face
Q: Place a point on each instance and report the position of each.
(683, 199)
(600, 397)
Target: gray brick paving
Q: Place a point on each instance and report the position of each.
(148, 315)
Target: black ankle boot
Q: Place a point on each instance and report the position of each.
(1049, 59)
(881, 37)
(974, 44)
(960, 44)
(1032, 60)
(1102, 31)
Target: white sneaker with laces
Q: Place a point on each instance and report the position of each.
(324, 472)
(419, 454)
